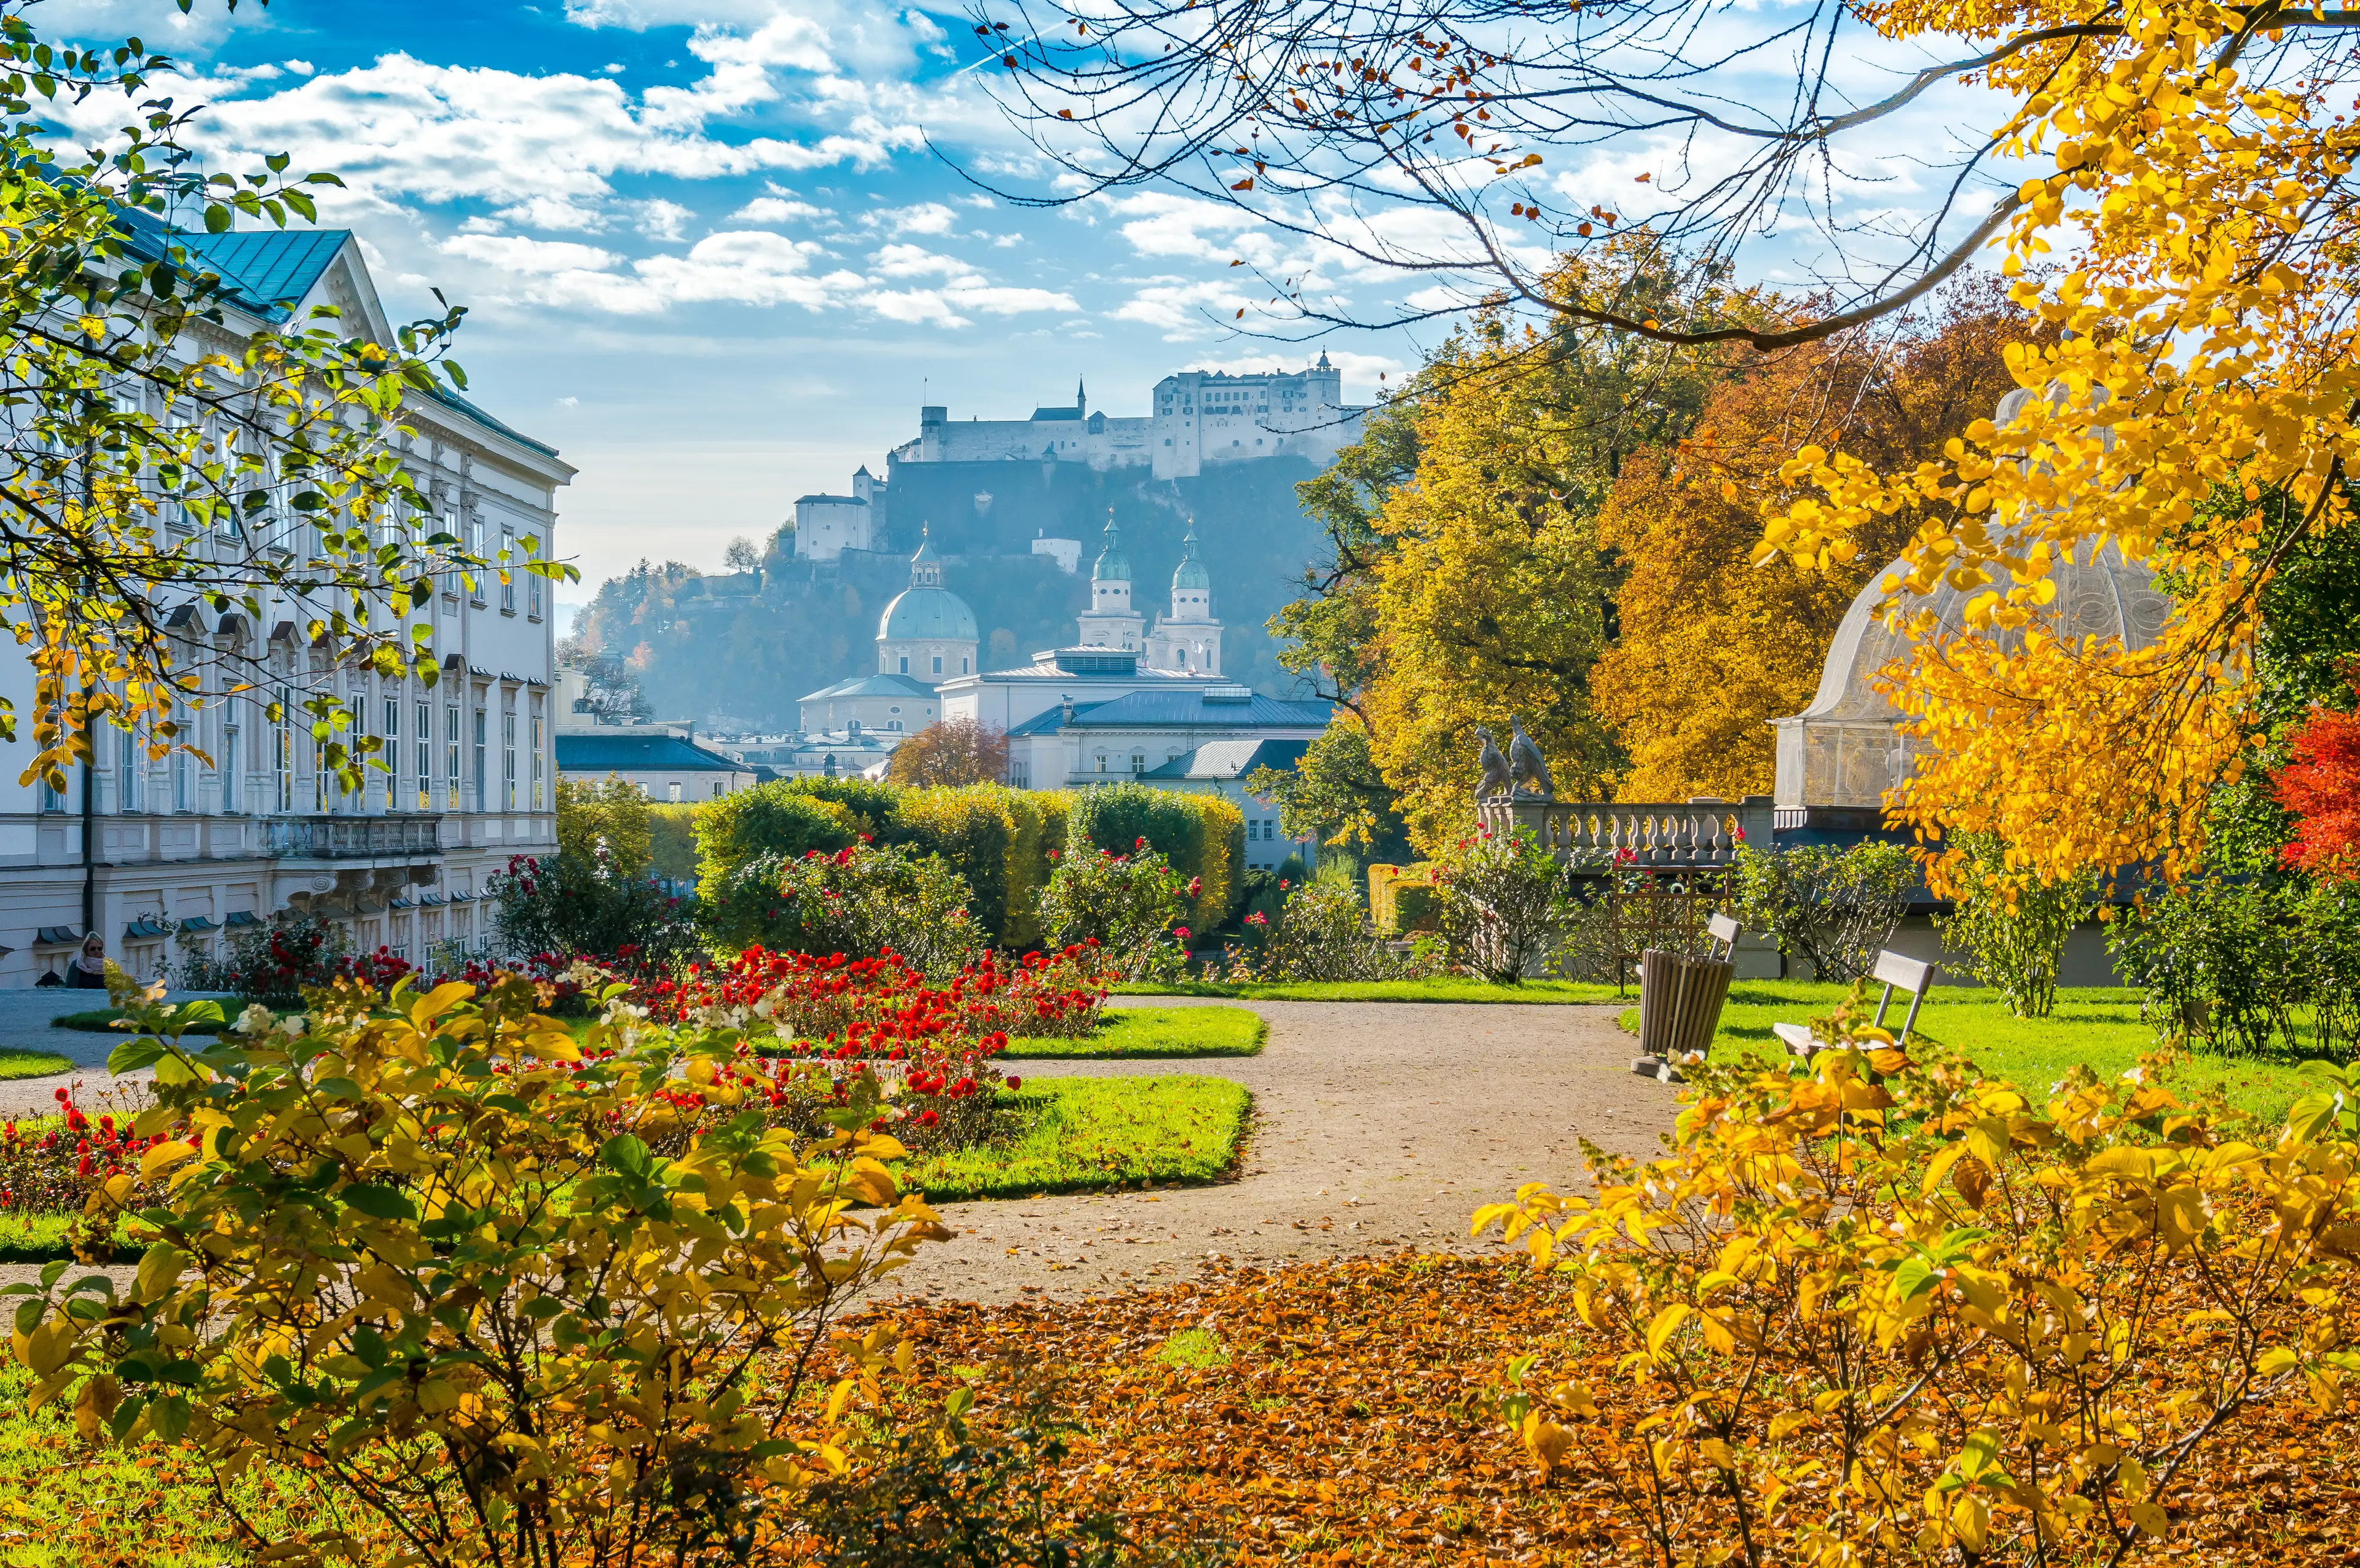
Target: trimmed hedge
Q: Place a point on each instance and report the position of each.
(998, 838)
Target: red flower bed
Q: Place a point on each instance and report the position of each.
(839, 1008)
(49, 1165)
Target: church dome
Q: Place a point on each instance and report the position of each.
(1190, 574)
(920, 614)
(1112, 566)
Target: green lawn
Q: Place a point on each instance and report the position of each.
(1157, 1031)
(33, 1063)
(2097, 1025)
(1444, 988)
(37, 1239)
(1091, 1133)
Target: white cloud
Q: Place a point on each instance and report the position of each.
(514, 253)
(914, 261)
(662, 220)
(778, 210)
(746, 266)
(1184, 309)
(925, 218)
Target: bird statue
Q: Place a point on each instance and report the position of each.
(1526, 765)
(1496, 783)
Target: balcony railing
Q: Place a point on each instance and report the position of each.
(352, 838)
(1666, 835)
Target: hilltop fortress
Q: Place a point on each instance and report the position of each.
(1201, 419)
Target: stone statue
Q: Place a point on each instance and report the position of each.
(1495, 783)
(1526, 765)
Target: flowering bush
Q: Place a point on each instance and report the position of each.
(1321, 934)
(49, 1164)
(585, 904)
(1126, 904)
(864, 900)
(1504, 901)
(271, 963)
(868, 1005)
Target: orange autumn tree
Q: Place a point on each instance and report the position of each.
(1712, 647)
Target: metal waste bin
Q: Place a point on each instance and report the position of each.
(1679, 1008)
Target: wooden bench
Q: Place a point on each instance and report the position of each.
(1909, 975)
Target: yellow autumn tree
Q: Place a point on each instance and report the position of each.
(1489, 593)
(1710, 648)
(2187, 220)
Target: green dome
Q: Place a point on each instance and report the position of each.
(1112, 567)
(923, 614)
(1191, 573)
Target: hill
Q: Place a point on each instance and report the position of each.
(739, 650)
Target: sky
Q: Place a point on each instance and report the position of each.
(716, 252)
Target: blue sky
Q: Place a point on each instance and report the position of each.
(704, 250)
(708, 255)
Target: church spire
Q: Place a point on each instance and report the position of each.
(1081, 397)
(1111, 565)
(925, 567)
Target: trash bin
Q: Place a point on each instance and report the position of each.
(1679, 1008)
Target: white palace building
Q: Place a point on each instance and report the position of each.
(158, 856)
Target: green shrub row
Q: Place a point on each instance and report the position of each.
(998, 839)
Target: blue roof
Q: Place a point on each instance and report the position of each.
(1232, 759)
(579, 752)
(1186, 709)
(874, 686)
(265, 272)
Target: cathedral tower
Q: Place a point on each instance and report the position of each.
(1189, 638)
(1110, 621)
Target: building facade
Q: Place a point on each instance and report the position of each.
(1222, 767)
(828, 525)
(1200, 418)
(664, 766)
(160, 856)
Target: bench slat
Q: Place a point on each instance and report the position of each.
(1910, 974)
(1720, 928)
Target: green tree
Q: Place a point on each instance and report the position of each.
(154, 457)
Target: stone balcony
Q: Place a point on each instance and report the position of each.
(352, 838)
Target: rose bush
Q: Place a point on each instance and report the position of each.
(1127, 905)
(863, 900)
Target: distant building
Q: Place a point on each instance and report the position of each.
(925, 637)
(828, 525)
(1200, 418)
(666, 767)
(1189, 638)
(853, 751)
(1222, 767)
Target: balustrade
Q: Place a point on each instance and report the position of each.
(1644, 835)
(344, 838)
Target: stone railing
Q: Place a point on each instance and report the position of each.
(352, 838)
(1646, 835)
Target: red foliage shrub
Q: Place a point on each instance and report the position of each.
(2321, 786)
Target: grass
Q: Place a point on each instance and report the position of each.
(68, 1503)
(1193, 1349)
(40, 1237)
(1089, 1134)
(1442, 988)
(2099, 1026)
(33, 1063)
(1157, 1031)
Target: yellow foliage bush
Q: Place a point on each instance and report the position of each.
(496, 1289)
(1882, 1308)
(591, 812)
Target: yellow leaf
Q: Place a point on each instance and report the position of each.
(435, 1003)
(163, 1157)
(1970, 1521)
(2180, 1217)
(1547, 1442)
(48, 1347)
(1665, 1324)
(2150, 1518)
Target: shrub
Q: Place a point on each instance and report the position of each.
(271, 963)
(671, 840)
(1882, 1307)
(1203, 837)
(1125, 905)
(592, 812)
(769, 819)
(1830, 907)
(2250, 967)
(1321, 934)
(506, 1345)
(861, 901)
(2320, 787)
(577, 904)
(2012, 928)
(1503, 903)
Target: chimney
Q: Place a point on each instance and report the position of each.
(1069, 708)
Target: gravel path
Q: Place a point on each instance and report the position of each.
(1380, 1126)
